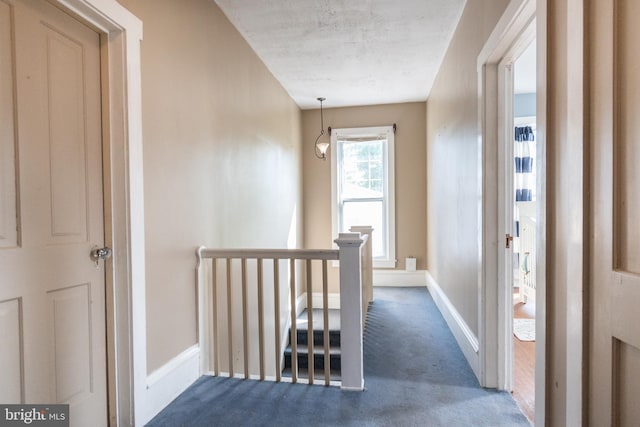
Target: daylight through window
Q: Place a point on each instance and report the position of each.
(362, 171)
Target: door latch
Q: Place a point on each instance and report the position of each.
(99, 253)
(508, 240)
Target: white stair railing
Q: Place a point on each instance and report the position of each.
(240, 303)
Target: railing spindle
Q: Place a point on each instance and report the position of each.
(260, 320)
(276, 310)
(245, 319)
(325, 314)
(310, 337)
(229, 318)
(294, 332)
(214, 313)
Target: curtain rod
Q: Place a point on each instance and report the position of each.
(394, 128)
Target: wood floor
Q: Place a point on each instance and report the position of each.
(524, 365)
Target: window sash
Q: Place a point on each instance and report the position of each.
(379, 240)
(386, 232)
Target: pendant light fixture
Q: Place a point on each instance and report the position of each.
(322, 141)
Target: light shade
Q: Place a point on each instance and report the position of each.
(322, 146)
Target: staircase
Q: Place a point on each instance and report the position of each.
(302, 332)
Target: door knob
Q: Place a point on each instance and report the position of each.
(97, 254)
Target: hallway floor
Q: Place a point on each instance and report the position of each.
(415, 375)
(524, 364)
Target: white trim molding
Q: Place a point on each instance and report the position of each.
(399, 278)
(465, 337)
(167, 382)
(333, 301)
(316, 300)
(510, 37)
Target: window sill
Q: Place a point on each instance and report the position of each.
(384, 263)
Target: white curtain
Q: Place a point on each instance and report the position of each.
(524, 150)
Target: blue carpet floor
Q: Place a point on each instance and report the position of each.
(415, 375)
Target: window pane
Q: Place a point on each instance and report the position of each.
(366, 213)
(362, 169)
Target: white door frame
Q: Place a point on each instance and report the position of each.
(506, 203)
(121, 33)
(513, 32)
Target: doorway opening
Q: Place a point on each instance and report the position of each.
(504, 266)
(523, 200)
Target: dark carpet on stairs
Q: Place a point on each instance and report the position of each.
(415, 375)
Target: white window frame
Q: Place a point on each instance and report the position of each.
(389, 260)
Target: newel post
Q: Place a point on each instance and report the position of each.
(367, 266)
(351, 311)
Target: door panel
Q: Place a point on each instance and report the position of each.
(8, 205)
(626, 377)
(11, 351)
(614, 340)
(71, 340)
(627, 149)
(65, 110)
(48, 279)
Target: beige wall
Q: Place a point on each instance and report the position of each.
(410, 185)
(221, 157)
(452, 162)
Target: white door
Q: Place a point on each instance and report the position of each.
(614, 309)
(52, 295)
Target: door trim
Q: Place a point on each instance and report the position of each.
(120, 34)
(517, 25)
(506, 203)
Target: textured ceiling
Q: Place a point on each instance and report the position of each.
(357, 52)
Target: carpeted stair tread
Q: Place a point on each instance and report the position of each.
(302, 334)
(318, 328)
(318, 338)
(318, 319)
(318, 345)
(304, 349)
(318, 357)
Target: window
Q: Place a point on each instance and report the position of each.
(363, 186)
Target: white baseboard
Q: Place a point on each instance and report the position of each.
(466, 339)
(332, 299)
(168, 381)
(316, 300)
(399, 278)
